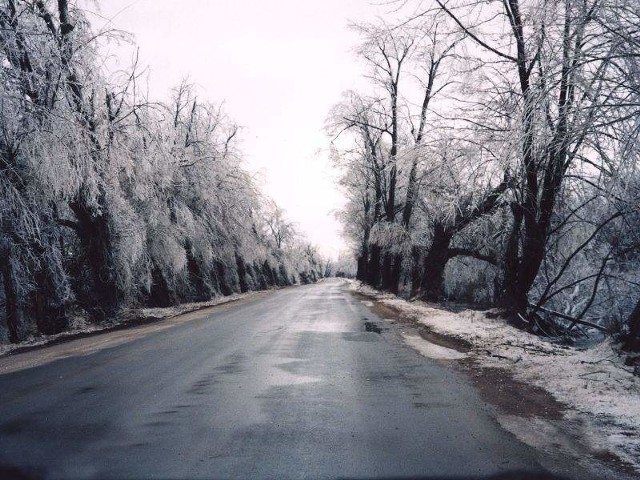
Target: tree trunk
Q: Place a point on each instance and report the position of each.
(409, 203)
(390, 213)
(373, 270)
(201, 292)
(259, 276)
(268, 274)
(363, 259)
(387, 273)
(276, 276)
(632, 340)
(95, 237)
(521, 270)
(416, 255)
(511, 296)
(361, 273)
(396, 273)
(223, 285)
(12, 308)
(160, 294)
(286, 280)
(48, 310)
(242, 274)
(435, 262)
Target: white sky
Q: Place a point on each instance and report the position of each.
(279, 65)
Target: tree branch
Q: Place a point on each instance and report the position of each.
(465, 252)
(475, 37)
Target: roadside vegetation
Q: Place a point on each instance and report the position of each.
(111, 200)
(493, 160)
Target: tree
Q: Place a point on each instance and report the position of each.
(281, 230)
(366, 175)
(384, 170)
(567, 78)
(392, 53)
(461, 196)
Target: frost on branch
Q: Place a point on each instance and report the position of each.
(110, 200)
(493, 159)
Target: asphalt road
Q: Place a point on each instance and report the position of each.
(288, 385)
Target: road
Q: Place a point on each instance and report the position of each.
(287, 385)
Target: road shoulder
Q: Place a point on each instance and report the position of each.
(145, 322)
(566, 438)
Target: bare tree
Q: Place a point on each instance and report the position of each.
(281, 230)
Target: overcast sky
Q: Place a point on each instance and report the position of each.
(279, 65)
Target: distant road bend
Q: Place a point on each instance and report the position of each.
(288, 384)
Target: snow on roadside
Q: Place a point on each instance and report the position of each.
(431, 350)
(79, 325)
(151, 313)
(591, 381)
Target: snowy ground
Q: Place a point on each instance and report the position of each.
(81, 326)
(594, 383)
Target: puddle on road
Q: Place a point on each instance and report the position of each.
(430, 405)
(372, 327)
(288, 373)
(321, 326)
(312, 313)
(359, 337)
(324, 297)
(283, 379)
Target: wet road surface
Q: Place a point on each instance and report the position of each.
(304, 382)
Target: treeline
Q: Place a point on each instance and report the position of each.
(494, 158)
(109, 200)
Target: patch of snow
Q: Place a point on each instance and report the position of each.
(151, 313)
(431, 350)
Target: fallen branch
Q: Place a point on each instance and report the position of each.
(569, 318)
(501, 357)
(593, 373)
(614, 363)
(535, 349)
